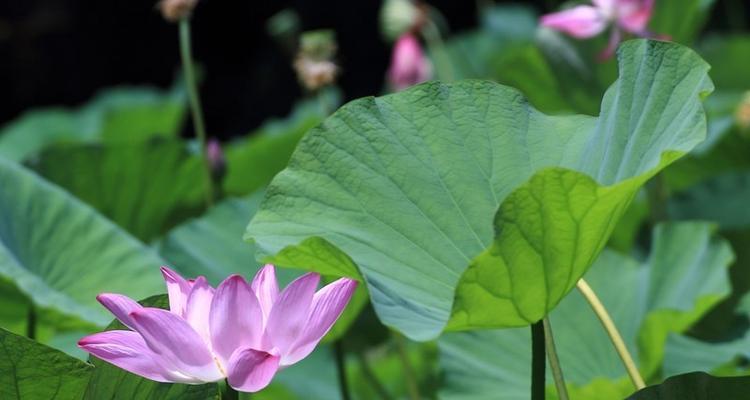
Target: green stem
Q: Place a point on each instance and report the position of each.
(411, 379)
(537, 361)
(657, 199)
(31, 322)
(483, 6)
(338, 352)
(735, 10)
(614, 334)
(195, 105)
(371, 378)
(227, 392)
(554, 362)
(436, 45)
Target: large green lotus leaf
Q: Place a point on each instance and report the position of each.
(681, 20)
(118, 114)
(212, 245)
(146, 188)
(134, 114)
(30, 370)
(723, 199)
(683, 354)
(253, 161)
(696, 386)
(61, 253)
(685, 275)
(407, 186)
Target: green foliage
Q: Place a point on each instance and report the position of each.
(30, 371)
(722, 199)
(685, 275)
(61, 253)
(146, 188)
(407, 185)
(727, 56)
(121, 115)
(681, 20)
(212, 244)
(543, 65)
(696, 386)
(253, 161)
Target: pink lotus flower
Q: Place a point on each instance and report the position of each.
(587, 21)
(240, 332)
(409, 65)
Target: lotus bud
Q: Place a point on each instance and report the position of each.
(409, 64)
(314, 63)
(175, 10)
(400, 16)
(742, 114)
(216, 159)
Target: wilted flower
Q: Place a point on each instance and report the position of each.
(239, 331)
(175, 10)
(315, 74)
(314, 63)
(409, 65)
(587, 21)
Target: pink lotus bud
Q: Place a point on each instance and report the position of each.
(175, 10)
(409, 65)
(742, 114)
(240, 332)
(215, 158)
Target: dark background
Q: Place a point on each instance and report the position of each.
(60, 52)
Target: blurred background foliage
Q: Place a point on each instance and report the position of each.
(97, 145)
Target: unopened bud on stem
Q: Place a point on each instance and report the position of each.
(742, 114)
(175, 10)
(314, 63)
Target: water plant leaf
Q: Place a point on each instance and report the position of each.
(146, 188)
(30, 370)
(684, 276)
(60, 253)
(681, 20)
(121, 114)
(408, 185)
(696, 386)
(722, 199)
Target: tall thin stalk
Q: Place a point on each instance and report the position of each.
(411, 378)
(227, 392)
(31, 322)
(538, 362)
(195, 105)
(554, 361)
(613, 333)
(371, 378)
(338, 352)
